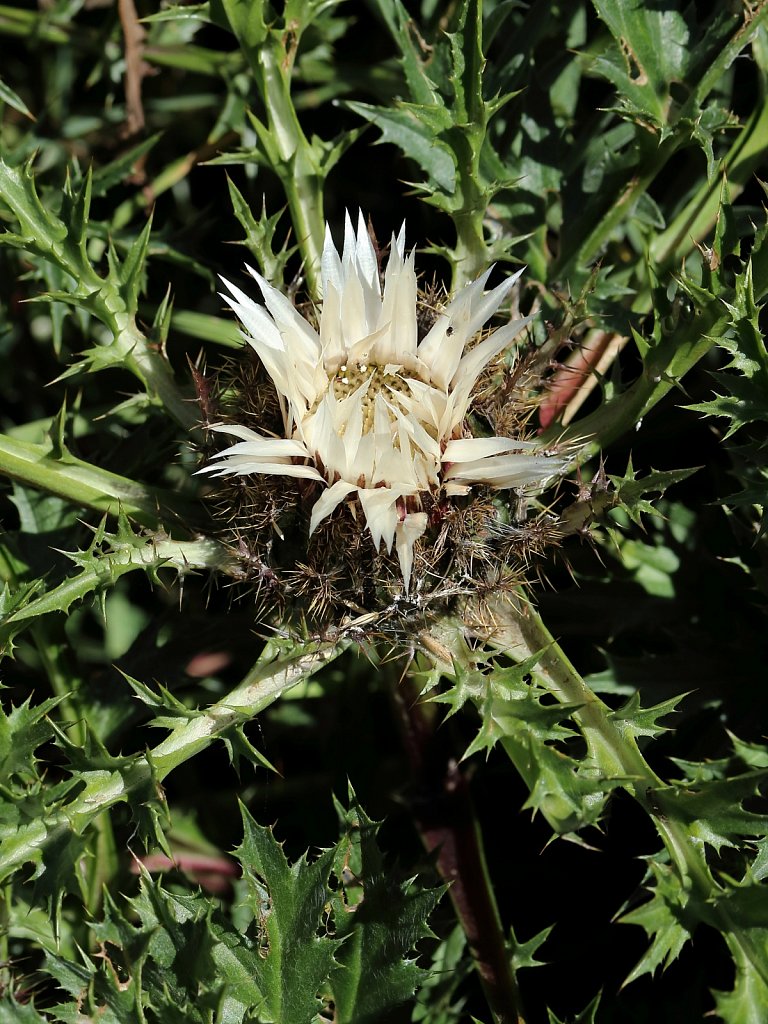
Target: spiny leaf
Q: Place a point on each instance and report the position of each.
(171, 952)
(525, 719)
(380, 920)
(524, 953)
(668, 919)
(746, 1002)
(12, 1012)
(21, 732)
(714, 809)
(117, 170)
(639, 721)
(511, 702)
(129, 274)
(260, 237)
(407, 128)
(587, 1016)
(653, 53)
(287, 903)
(630, 492)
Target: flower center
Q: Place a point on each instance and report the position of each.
(349, 378)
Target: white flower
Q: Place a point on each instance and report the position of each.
(370, 412)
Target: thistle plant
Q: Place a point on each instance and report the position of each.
(425, 527)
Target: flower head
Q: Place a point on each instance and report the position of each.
(375, 416)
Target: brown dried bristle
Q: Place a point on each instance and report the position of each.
(485, 543)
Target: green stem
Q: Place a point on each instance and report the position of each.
(302, 180)
(154, 371)
(266, 681)
(103, 570)
(520, 632)
(6, 978)
(89, 486)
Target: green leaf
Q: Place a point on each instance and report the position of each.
(117, 170)
(668, 919)
(746, 390)
(631, 491)
(12, 1012)
(714, 809)
(408, 128)
(288, 903)
(413, 52)
(653, 52)
(747, 1001)
(530, 725)
(260, 237)
(380, 921)
(587, 1016)
(523, 954)
(7, 95)
(634, 720)
(21, 732)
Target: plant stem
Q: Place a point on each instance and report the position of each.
(302, 180)
(104, 569)
(269, 678)
(91, 486)
(446, 821)
(519, 632)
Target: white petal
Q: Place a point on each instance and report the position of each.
(508, 470)
(237, 430)
(253, 317)
(293, 365)
(398, 244)
(354, 315)
(444, 343)
(418, 435)
(461, 319)
(406, 534)
(380, 513)
(395, 467)
(425, 403)
(330, 265)
(470, 368)
(474, 361)
(268, 448)
(349, 252)
(486, 306)
(240, 465)
(303, 337)
(468, 448)
(328, 501)
(366, 257)
(398, 310)
(331, 336)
